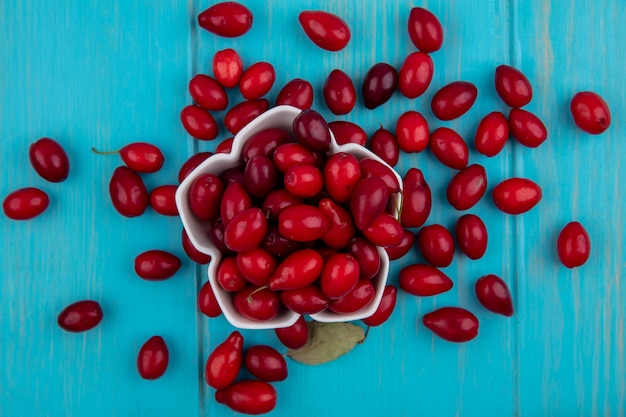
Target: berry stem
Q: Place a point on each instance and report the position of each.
(94, 150)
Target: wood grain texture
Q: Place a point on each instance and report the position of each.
(90, 74)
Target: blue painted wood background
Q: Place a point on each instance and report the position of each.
(105, 74)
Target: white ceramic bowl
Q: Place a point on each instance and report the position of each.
(277, 117)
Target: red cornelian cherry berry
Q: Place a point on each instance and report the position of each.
(25, 203)
(449, 148)
(326, 30)
(425, 30)
(491, 134)
(227, 67)
(340, 275)
(198, 122)
(49, 160)
(412, 132)
(527, 128)
(243, 113)
(153, 358)
(372, 168)
(223, 364)
(424, 280)
(415, 74)
(297, 93)
(467, 187)
(266, 363)
(163, 200)
(265, 143)
(367, 254)
(257, 303)
(204, 196)
(208, 93)
(347, 132)
(516, 195)
(402, 248)
(360, 296)
(379, 84)
(512, 86)
(257, 80)
(436, 245)
(294, 336)
(471, 236)
(339, 92)
(229, 276)
(453, 100)
(384, 144)
(156, 265)
(246, 230)
(80, 316)
(573, 245)
(228, 19)
(385, 308)
(192, 163)
(590, 112)
(417, 199)
(303, 180)
(248, 397)
(207, 302)
(453, 324)
(139, 156)
(342, 173)
(191, 251)
(494, 295)
(128, 192)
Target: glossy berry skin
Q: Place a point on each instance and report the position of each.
(425, 30)
(449, 148)
(453, 100)
(453, 324)
(305, 300)
(516, 195)
(243, 113)
(347, 132)
(294, 336)
(339, 275)
(191, 251)
(156, 265)
(367, 201)
(225, 146)
(246, 230)
(261, 176)
(256, 265)
(373, 168)
(162, 200)
(415, 75)
(424, 280)
(276, 201)
(207, 303)
(297, 93)
(297, 270)
(265, 143)
(573, 245)
(153, 358)
(204, 196)
(49, 160)
(467, 187)
(128, 192)
(266, 363)
(342, 227)
(385, 230)
(402, 248)
(208, 93)
(303, 223)
(80, 316)
(224, 363)
(142, 157)
(471, 236)
(248, 397)
(198, 123)
(436, 244)
(228, 19)
(234, 200)
(491, 134)
(25, 203)
(257, 80)
(339, 92)
(263, 305)
(229, 276)
(311, 130)
(379, 84)
(342, 173)
(590, 112)
(192, 163)
(367, 254)
(512, 86)
(385, 308)
(417, 199)
(326, 30)
(303, 181)
(494, 295)
(362, 294)
(412, 132)
(384, 144)
(227, 67)
(527, 128)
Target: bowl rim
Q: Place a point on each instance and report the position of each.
(286, 318)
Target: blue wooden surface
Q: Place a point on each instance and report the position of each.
(106, 74)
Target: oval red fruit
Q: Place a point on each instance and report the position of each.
(297, 93)
(246, 230)
(25, 203)
(415, 75)
(224, 362)
(573, 245)
(436, 244)
(128, 192)
(516, 195)
(425, 30)
(590, 112)
(243, 113)
(156, 265)
(512, 86)
(339, 92)
(491, 134)
(453, 324)
(248, 397)
(227, 67)
(467, 187)
(208, 93)
(207, 302)
(494, 295)
(326, 30)
(266, 363)
(49, 160)
(385, 308)
(303, 223)
(417, 199)
(80, 316)
(453, 100)
(449, 148)
(257, 80)
(153, 358)
(471, 236)
(198, 123)
(527, 128)
(424, 280)
(228, 19)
